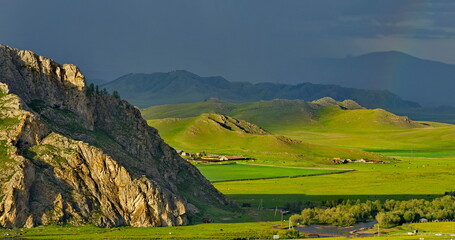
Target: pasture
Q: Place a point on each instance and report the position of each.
(435, 227)
(212, 231)
(232, 172)
(410, 178)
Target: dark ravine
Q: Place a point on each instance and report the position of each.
(68, 156)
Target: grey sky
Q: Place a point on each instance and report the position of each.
(240, 40)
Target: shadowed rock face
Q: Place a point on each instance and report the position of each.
(68, 156)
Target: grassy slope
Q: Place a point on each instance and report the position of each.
(201, 133)
(427, 150)
(283, 114)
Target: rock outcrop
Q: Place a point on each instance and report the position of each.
(68, 155)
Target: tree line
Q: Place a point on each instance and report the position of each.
(94, 89)
(388, 213)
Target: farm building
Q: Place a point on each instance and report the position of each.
(219, 158)
(235, 157)
(341, 160)
(182, 153)
(362, 160)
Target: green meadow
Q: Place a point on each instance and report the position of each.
(421, 155)
(255, 230)
(410, 178)
(211, 133)
(435, 227)
(318, 131)
(232, 172)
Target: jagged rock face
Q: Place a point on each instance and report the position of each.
(71, 157)
(35, 77)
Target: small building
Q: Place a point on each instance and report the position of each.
(423, 220)
(232, 157)
(340, 160)
(182, 153)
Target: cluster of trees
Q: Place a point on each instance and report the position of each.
(388, 213)
(94, 89)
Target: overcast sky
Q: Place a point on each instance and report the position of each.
(241, 40)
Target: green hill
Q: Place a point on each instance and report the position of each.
(215, 133)
(326, 122)
(146, 90)
(281, 114)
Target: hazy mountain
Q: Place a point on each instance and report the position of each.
(415, 79)
(146, 90)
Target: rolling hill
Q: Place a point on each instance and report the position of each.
(146, 90)
(324, 122)
(281, 114)
(216, 133)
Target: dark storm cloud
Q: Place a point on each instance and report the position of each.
(408, 19)
(241, 40)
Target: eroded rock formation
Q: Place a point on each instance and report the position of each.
(72, 156)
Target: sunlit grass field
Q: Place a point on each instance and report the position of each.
(231, 172)
(257, 230)
(425, 169)
(436, 227)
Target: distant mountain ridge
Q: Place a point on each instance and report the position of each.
(146, 90)
(431, 83)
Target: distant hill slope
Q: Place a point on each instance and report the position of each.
(282, 114)
(427, 82)
(146, 90)
(324, 123)
(216, 133)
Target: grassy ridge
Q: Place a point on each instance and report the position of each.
(281, 114)
(203, 133)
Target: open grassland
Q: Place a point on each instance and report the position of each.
(213, 231)
(259, 230)
(206, 133)
(436, 227)
(426, 151)
(375, 131)
(410, 178)
(230, 172)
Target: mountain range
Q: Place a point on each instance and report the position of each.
(145, 90)
(427, 82)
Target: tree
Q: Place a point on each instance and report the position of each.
(295, 219)
(409, 216)
(388, 219)
(306, 216)
(90, 89)
(116, 94)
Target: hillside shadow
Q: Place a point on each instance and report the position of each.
(279, 200)
(267, 207)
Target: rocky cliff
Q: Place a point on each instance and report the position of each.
(68, 155)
